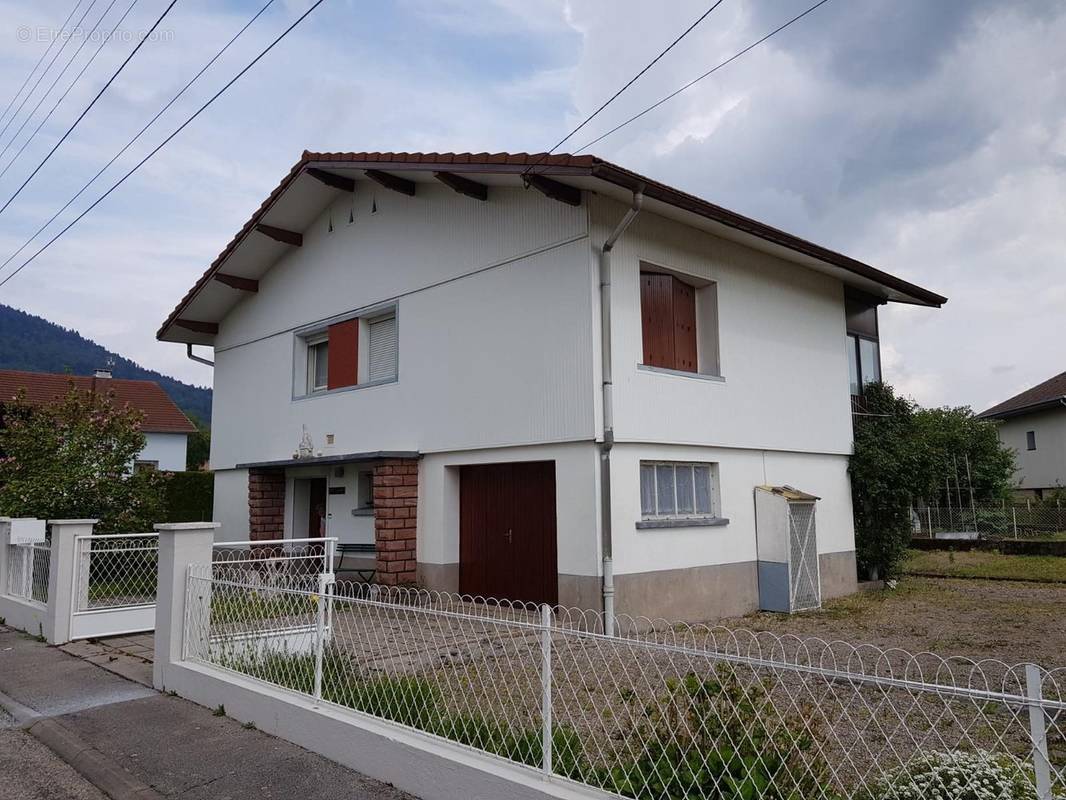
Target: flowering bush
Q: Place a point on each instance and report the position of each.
(957, 775)
(73, 458)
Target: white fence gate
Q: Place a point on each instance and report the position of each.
(114, 584)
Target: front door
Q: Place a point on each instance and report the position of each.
(507, 547)
(316, 508)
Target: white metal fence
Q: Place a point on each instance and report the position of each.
(657, 711)
(998, 521)
(115, 571)
(27, 571)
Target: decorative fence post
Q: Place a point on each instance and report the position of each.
(63, 574)
(323, 621)
(1038, 731)
(180, 544)
(546, 687)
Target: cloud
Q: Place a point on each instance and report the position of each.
(926, 138)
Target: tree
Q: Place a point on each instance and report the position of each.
(904, 453)
(199, 447)
(72, 459)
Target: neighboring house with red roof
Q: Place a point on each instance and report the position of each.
(544, 378)
(166, 428)
(1033, 422)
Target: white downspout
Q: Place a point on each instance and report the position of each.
(608, 408)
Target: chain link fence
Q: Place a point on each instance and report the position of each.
(1028, 521)
(656, 711)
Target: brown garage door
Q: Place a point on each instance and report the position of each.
(507, 531)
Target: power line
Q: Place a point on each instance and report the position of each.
(59, 77)
(709, 72)
(139, 133)
(166, 141)
(66, 41)
(44, 55)
(81, 116)
(629, 83)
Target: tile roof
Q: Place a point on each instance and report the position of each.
(1044, 395)
(161, 414)
(559, 164)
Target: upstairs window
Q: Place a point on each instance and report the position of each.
(675, 490)
(382, 351)
(679, 323)
(317, 364)
(1030, 440)
(360, 350)
(863, 347)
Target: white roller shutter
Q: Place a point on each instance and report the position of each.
(382, 349)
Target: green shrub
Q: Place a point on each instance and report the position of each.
(957, 775)
(710, 738)
(189, 496)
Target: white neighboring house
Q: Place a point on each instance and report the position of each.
(1033, 423)
(514, 376)
(166, 428)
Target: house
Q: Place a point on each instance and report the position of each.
(1034, 424)
(535, 377)
(166, 429)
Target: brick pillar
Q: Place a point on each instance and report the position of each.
(396, 520)
(266, 503)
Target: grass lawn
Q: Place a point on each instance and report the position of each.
(979, 564)
(976, 619)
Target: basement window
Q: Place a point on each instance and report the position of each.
(678, 494)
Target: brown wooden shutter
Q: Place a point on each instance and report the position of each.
(684, 327)
(657, 319)
(343, 367)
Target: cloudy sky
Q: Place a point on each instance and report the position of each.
(926, 138)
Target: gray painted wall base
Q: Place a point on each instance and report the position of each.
(413, 762)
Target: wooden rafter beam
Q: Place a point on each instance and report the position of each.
(334, 181)
(281, 235)
(197, 326)
(478, 191)
(237, 282)
(555, 190)
(397, 184)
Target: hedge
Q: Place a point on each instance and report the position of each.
(190, 496)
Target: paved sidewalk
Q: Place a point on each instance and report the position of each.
(179, 749)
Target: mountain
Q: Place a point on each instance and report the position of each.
(37, 345)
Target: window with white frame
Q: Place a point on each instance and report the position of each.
(317, 364)
(381, 348)
(677, 490)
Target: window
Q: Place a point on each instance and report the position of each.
(317, 364)
(382, 356)
(674, 490)
(863, 348)
(354, 351)
(679, 323)
(1030, 440)
(365, 490)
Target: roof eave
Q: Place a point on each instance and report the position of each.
(1030, 408)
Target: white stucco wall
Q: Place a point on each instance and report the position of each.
(166, 448)
(470, 347)
(1045, 467)
(739, 472)
(231, 505)
(782, 346)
